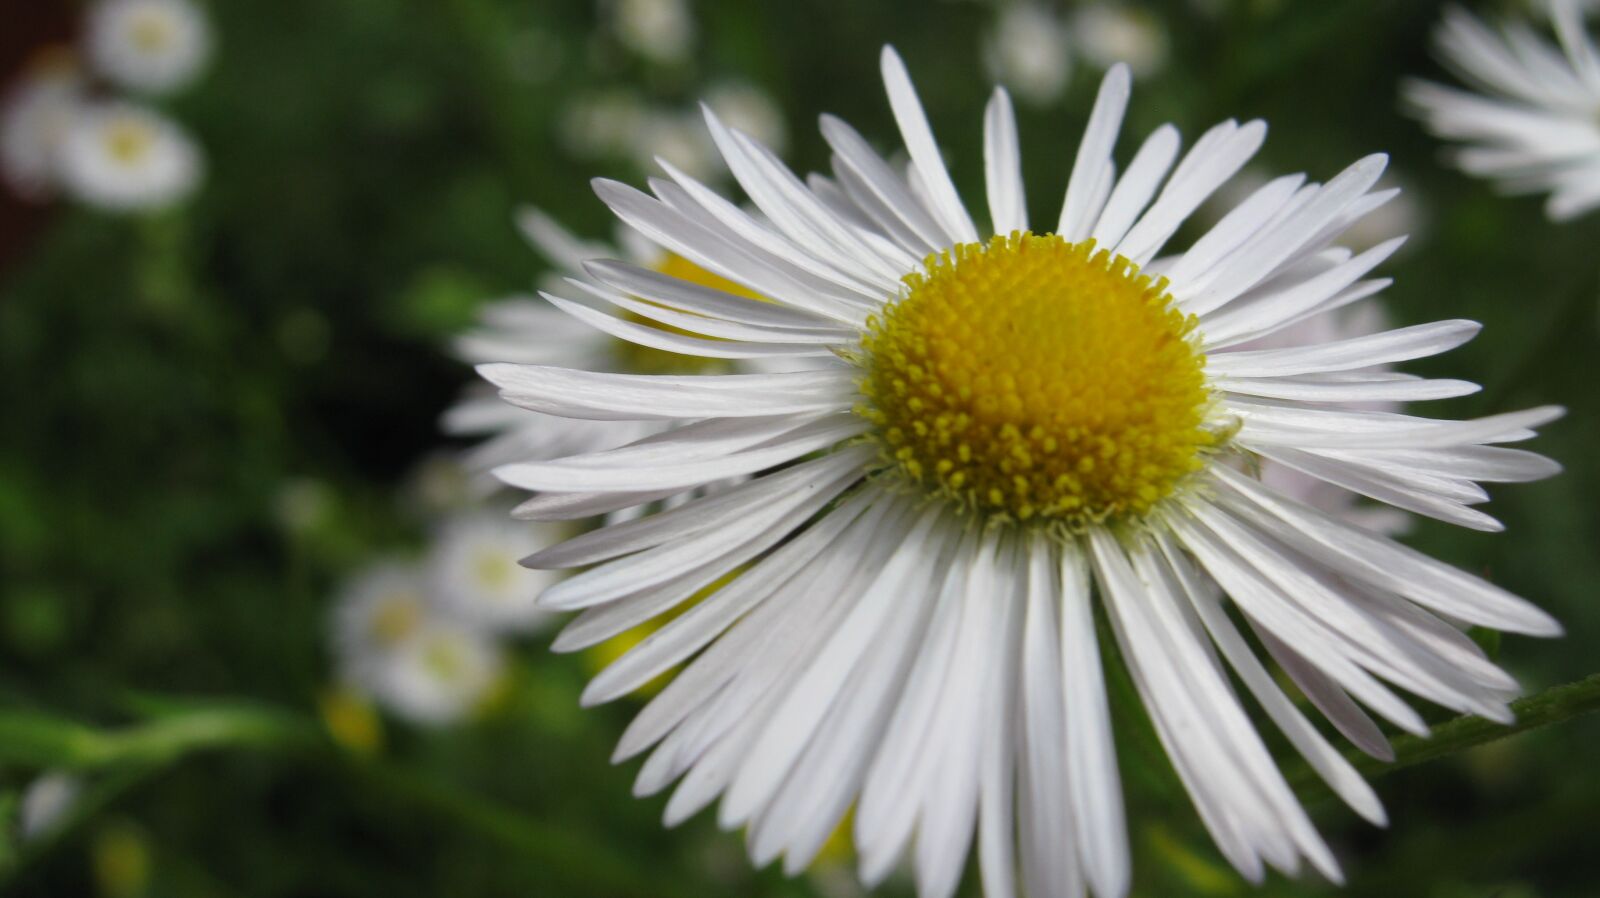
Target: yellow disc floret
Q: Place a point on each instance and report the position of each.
(1033, 378)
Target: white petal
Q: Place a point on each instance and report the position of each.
(1094, 154)
(918, 137)
(1008, 202)
(1137, 186)
(616, 397)
(1399, 345)
(565, 476)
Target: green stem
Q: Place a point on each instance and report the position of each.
(132, 755)
(1553, 705)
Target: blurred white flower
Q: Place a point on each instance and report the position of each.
(1029, 51)
(1531, 122)
(475, 575)
(122, 157)
(602, 123)
(379, 609)
(748, 108)
(46, 802)
(393, 644)
(35, 118)
(1109, 33)
(440, 675)
(680, 138)
(152, 46)
(662, 30)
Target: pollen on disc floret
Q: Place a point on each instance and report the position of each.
(1037, 379)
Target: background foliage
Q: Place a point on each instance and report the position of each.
(211, 416)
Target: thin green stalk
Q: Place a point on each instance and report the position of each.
(131, 756)
(1553, 705)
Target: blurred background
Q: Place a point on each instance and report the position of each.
(223, 387)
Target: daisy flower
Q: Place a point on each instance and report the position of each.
(475, 575)
(1007, 439)
(441, 675)
(125, 158)
(660, 30)
(151, 46)
(35, 118)
(1030, 51)
(1531, 123)
(393, 645)
(1110, 33)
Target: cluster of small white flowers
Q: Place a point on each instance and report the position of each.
(423, 638)
(65, 129)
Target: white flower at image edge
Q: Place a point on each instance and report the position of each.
(1003, 440)
(393, 644)
(35, 118)
(475, 574)
(150, 46)
(125, 158)
(1533, 124)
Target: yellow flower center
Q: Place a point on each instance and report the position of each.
(395, 619)
(638, 359)
(445, 659)
(150, 32)
(1033, 378)
(128, 141)
(494, 571)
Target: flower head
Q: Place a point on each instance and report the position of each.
(393, 644)
(122, 157)
(1029, 50)
(151, 46)
(1111, 33)
(660, 30)
(1532, 122)
(475, 574)
(35, 118)
(997, 438)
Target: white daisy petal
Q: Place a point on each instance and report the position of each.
(1092, 165)
(586, 394)
(1008, 206)
(918, 137)
(1401, 345)
(1138, 184)
(1216, 156)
